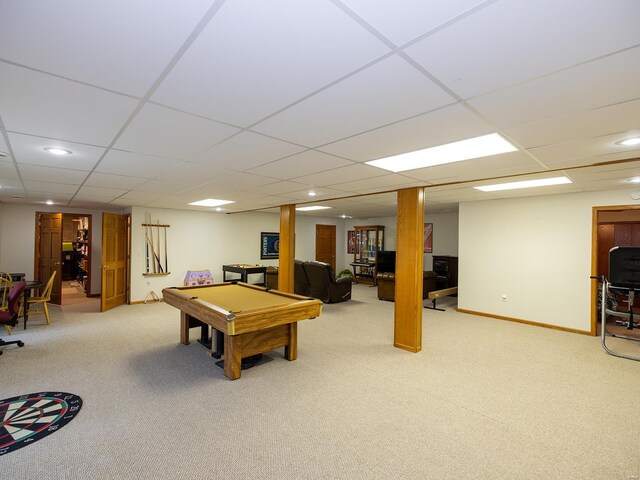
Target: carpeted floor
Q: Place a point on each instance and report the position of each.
(485, 399)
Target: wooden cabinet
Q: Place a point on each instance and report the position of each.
(368, 242)
(446, 269)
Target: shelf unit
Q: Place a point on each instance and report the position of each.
(368, 242)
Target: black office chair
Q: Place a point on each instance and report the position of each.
(10, 316)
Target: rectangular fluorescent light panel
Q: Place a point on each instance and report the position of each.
(477, 147)
(542, 182)
(311, 207)
(211, 202)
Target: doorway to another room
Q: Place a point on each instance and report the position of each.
(612, 226)
(63, 247)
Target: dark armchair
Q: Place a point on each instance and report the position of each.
(10, 316)
(300, 280)
(323, 284)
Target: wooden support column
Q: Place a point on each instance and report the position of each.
(287, 248)
(409, 266)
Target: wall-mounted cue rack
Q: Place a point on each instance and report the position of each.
(156, 257)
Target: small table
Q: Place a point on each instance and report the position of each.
(30, 285)
(244, 270)
(250, 320)
(363, 270)
(17, 277)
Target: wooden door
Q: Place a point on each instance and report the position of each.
(50, 252)
(326, 244)
(114, 261)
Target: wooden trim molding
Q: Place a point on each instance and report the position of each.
(526, 322)
(287, 248)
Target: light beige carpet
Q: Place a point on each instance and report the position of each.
(485, 399)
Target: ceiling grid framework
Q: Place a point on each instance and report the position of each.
(262, 102)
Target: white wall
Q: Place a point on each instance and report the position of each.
(17, 238)
(537, 251)
(207, 240)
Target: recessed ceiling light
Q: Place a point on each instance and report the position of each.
(312, 194)
(634, 180)
(477, 147)
(311, 207)
(4, 154)
(628, 142)
(345, 216)
(211, 202)
(49, 202)
(542, 182)
(58, 151)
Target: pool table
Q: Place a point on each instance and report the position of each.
(250, 319)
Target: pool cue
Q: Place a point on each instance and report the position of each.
(166, 263)
(156, 263)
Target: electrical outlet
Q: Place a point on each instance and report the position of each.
(504, 297)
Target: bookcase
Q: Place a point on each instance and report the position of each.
(368, 242)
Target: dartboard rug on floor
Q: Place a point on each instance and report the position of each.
(26, 419)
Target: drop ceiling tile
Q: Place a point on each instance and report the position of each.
(3, 149)
(136, 197)
(383, 182)
(406, 20)
(8, 171)
(445, 125)
(194, 174)
(493, 48)
(278, 188)
(9, 184)
(506, 163)
(583, 148)
(98, 193)
(161, 131)
(389, 91)
(56, 175)
(587, 161)
(39, 104)
(574, 90)
(344, 174)
(48, 187)
(302, 196)
(30, 150)
(256, 57)
(163, 187)
(305, 163)
(620, 118)
(118, 162)
(243, 181)
(246, 150)
(120, 45)
(106, 180)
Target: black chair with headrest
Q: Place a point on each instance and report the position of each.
(324, 285)
(10, 315)
(300, 279)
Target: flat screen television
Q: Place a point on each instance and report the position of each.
(624, 267)
(387, 261)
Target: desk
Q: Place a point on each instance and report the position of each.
(363, 270)
(30, 285)
(244, 270)
(250, 320)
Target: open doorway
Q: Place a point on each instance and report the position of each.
(63, 246)
(612, 226)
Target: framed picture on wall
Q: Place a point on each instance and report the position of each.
(351, 241)
(269, 245)
(428, 238)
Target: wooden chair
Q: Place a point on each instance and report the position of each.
(42, 299)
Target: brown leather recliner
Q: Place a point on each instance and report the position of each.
(387, 284)
(323, 284)
(300, 280)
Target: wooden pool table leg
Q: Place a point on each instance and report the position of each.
(291, 350)
(232, 357)
(184, 328)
